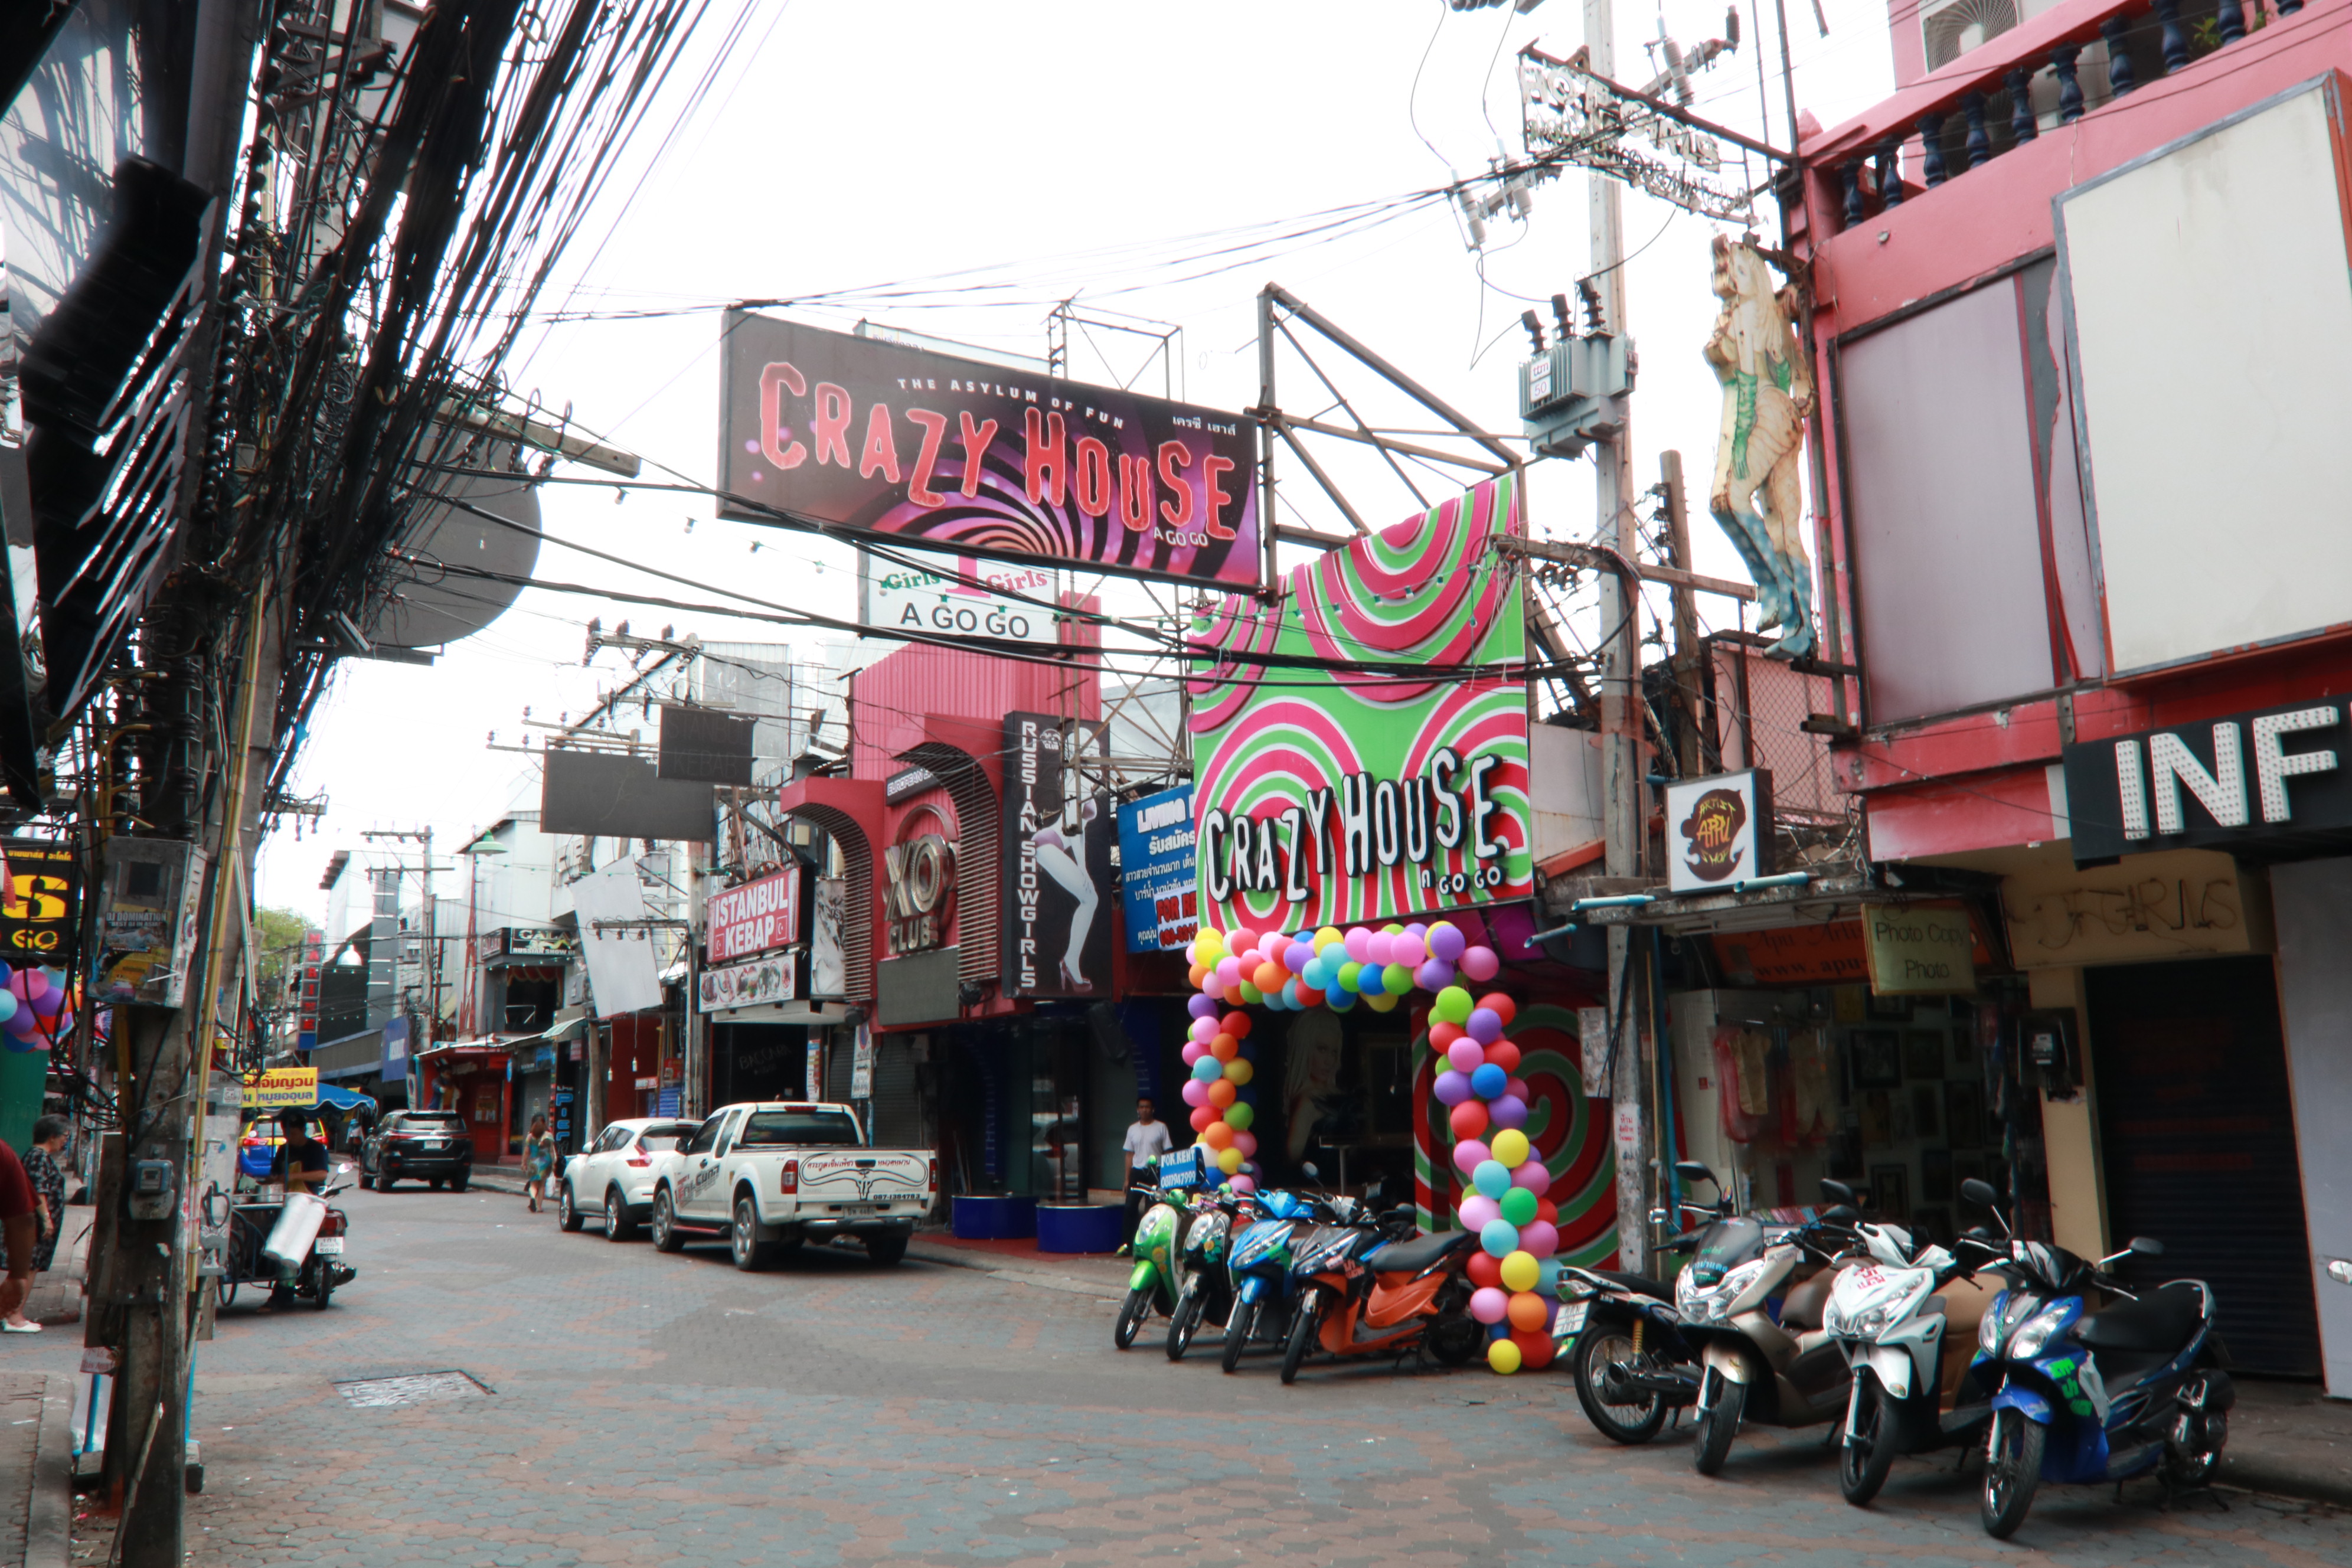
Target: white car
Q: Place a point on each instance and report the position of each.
(615, 1174)
(770, 1175)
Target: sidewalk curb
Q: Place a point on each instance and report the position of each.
(49, 1521)
(2284, 1480)
(954, 1258)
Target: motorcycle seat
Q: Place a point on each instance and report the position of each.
(1412, 1256)
(1640, 1284)
(2160, 1323)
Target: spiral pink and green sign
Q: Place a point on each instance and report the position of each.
(1360, 752)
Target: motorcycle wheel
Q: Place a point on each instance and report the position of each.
(1600, 1346)
(1185, 1323)
(224, 1293)
(2012, 1469)
(1304, 1322)
(1131, 1314)
(1237, 1332)
(1455, 1339)
(1867, 1452)
(1718, 1426)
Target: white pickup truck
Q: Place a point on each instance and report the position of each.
(770, 1175)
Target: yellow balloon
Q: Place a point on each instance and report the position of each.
(1239, 1070)
(1381, 1000)
(1326, 936)
(1510, 1146)
(1229, 1160)
(1519, 1271)
(1210, 946)
(1503, 1356)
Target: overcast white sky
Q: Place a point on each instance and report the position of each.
(866, 144)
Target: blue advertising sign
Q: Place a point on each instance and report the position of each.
(1155, 860)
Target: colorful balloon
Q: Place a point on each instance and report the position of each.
(1485, 1272)
(1351, 977)
(1505, 1356)
(1453, 1004)
(1464, 1056)
(1326, 937)
(1195, 1092)
(1499, 1003)
(1207, 1068)
(1489, 1306)
(1493, 1179)
(1252, 995)
(1433, 975)
(1338, 1000)
(1480, 963)
(1467, 1152)
(1229, 1160)
(1541, 1237)
(1202, 1117)
(1442, 1034)
(1243, 1185)
(1236, 1024)
(1399, 980)
(1499, 1236)
(1238, 1071)
(1535, 1346)
(1451, 1087)
(1445, 941)
(1406, 949)
(1504, 1054)
(1221, 1094)
(1380, 948)
(1194, 1051)
(1486, 1080)
(1381, 1002)
(1519, 1272)
(1217, 1136)
(1238, 1115)
(1359, 944)
(1477, 1213)
(1241, 939)
(1483, 1025)
(1507, 1110)
(1529, 1312)
(1533, 1175)
(1247, 1144)
(1468, 1120)
(1518, 1204)
(1510, 1147)
(1204, 1029)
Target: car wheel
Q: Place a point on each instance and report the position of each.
(885, 1250)
(434, 1183)
(567, 1212)
(616, 1216)
(367, 1181)
(384, 1180)
(457, 1183)
(751, 1255)
(667, 1235)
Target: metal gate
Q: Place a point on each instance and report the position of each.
(2196, 1132)
(898, 1111)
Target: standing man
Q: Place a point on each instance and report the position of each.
(23, 1234)
(1146, 1141)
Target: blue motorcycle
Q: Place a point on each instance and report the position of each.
(2082, 1397)
(1258, 1263)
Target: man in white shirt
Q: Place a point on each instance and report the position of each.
(1146, 1141)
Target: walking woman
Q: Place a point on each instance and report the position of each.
(48, 1179)
(538, 1160)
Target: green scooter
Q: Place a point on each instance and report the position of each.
(1158, 1242)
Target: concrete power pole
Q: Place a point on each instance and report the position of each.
(1621, 693)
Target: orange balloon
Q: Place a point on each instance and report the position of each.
(1237, 1025)
(1221, 1092)
(1197, 974)
(1269, 977)
(1223, 1048)
(1217, 1135)
(1528, 1311)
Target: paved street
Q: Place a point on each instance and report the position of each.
(650, 1411)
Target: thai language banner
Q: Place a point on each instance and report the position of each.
(1156, 871)
(1335, 796)
(955, 455)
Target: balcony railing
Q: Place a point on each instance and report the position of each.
(2047, 72)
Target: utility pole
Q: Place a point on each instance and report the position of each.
(430, 925)
(1623, 819)
(1686, 604)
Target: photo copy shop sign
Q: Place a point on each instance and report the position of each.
(2241, 784)
(957, 456)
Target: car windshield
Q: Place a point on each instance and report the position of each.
(799, 1128)
(665, 1129)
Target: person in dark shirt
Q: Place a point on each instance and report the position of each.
(22, 1233)
(301, 1164)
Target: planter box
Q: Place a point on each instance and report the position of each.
(1079, 1227)
(993, 1218)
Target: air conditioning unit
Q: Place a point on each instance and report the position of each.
(1950, 28)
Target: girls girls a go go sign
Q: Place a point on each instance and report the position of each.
(1330, 796)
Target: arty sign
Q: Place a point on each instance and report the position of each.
(955, 455)
(1591, 121)
(1156, 873)
(935, 595)
(2217, 785)
(755, 983)
(756, 917)
(1392, 780)
(1719, 831)
(920, 899)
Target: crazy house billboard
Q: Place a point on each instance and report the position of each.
(1379, 767)
(952, 455)
(1054, 908)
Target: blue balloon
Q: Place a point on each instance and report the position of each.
(1490, 1082)
(1492, 1178)
(1317, 975)
(1208, 1067)
(1339, 999)
(1500, 1238)
(1290, 995)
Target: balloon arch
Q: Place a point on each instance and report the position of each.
(1487, 1102)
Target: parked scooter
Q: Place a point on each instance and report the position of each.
(1888, 1320)
(1159, 1244)
(1621, 1335)
(1205, 1290)
(1782, 1371)
(1259, 1266)
(1380, 1289)
(2082, 1397)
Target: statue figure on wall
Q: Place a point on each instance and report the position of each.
(1767, 396)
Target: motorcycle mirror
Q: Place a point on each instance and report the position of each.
(1311, 1173)
(1837, 1193)
(2146, 1246)
(1977, 1233)
(1659, 1217)
(1841, 1213)
(1692, 1171)
(1980, 1192)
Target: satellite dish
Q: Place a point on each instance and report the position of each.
(426, 607)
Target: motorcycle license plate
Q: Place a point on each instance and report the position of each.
(1571, 1319)
(328, 1246)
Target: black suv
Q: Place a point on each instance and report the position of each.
(433, 1146)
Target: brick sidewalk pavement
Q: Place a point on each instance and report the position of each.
(651, 1410)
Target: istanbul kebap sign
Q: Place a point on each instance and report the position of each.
(974, 459)
(1336, 796)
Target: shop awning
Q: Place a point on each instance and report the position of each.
(571, 1028)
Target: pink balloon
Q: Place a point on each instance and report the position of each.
(1465, 1056)
(1479, 1211)
(1212, 986)
(1193, 1050)
(1241, 939)
(1469, 1154)
(1451, 1087)
(1241, 1185)
(1204, 1030)
(1507, 1111)
(1445, 941)
(1380, 948)
(1540, 1238)
(1405, 947)
(1229, 969)
(1535, 1175)
(1518, 1086)
(1247, 1144)
(1195, 1093)
(1489, 1305)
(26, 983)
(1480, 963)
(1358, 941)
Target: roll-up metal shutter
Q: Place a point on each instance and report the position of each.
(840, 1057)
(2197, 1132)
(897, 1108)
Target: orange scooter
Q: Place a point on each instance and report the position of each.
(1366, 1292)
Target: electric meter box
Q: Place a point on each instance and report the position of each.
(147, 921)
(1575, 392)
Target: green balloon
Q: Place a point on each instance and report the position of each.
(1453, 1005)
(1519, 1207)
(1349, 974)
(1253, 996)
(1398, 980)
(1238, 1116)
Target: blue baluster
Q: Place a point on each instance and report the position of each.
(2120, 80)
(1931, 150)
(1980, 144)
(2021, 126)
(1890, 173)
(2233, 21)
(1855, 212)
(2176, 42)
(2069, 85)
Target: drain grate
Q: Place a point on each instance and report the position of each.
(418, 1388)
